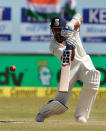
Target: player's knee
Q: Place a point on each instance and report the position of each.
(92, 79)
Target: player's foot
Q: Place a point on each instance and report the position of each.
(39, 118)
(81, 119)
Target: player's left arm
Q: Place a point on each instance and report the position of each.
(56, 50)
(75, 22)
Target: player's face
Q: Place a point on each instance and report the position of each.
(57, 35)
(56, 31)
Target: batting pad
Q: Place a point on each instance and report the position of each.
(88, 94)
(92, 79)
(85, 103)
(52, 108)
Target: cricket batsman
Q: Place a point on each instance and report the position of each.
(76, 65)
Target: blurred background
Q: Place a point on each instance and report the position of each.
(24, 42)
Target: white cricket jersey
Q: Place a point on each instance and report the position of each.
(57, 48)
(80, 54)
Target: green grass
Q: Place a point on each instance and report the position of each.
(17, 114)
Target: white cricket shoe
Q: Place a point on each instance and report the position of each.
(39, 118)
(81, 119)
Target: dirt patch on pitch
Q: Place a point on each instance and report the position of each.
(54, 122)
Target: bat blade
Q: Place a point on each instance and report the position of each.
(64, 79)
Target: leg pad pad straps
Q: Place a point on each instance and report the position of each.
(92, 79)
(52, 108)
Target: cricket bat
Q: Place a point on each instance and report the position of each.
(65, 71)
